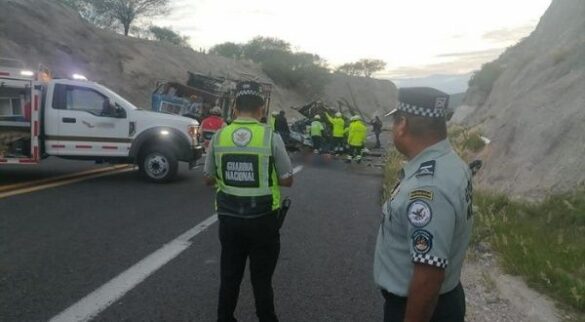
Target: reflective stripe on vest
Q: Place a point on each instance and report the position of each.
(246, 141)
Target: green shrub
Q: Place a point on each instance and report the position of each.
(485, 78)
(473, 142)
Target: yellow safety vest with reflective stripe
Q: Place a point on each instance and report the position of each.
(272, 122)
(357, 133)
(243, 152)
(338, 125)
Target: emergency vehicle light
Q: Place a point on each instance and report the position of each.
(79, 77)
(26, 73)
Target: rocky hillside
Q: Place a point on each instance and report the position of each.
(533, 108)
(44, 31)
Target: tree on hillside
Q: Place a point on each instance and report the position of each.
(351, 69)
(90, 13)
(107, 13)
(302, 71)
(371, 66)
(127, 11)
(227, 49)
(261, 48)
(169, 35)
(363, 67)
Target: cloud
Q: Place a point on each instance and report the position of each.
(473, 54)
(461, 63)
(508, 35)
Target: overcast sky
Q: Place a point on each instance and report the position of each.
(415, 37)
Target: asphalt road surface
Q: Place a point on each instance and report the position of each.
(128, 250)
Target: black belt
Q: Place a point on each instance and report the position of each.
(392, 297)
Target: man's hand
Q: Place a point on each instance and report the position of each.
(424, 292)
(210, 181)
(286, 182)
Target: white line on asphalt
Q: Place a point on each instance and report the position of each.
(97, 301)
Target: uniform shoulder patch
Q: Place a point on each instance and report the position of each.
(420, 194)
(426, 169)
(419, 213)
(422, 241)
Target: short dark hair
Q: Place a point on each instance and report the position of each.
(420, 126)
(249, 103)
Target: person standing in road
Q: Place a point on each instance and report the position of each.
(211, 124)
(427, 221)
(357, 132)
(281, 127)
(317, 129)
(338, 124)
(248, 164)
(377, 127)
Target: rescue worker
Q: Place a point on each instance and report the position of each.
(357, 132)
(317, 133)
(338, 125)
(248, 163)
(273, 116)
(211, 124)
(427, 221)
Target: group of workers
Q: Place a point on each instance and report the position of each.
(426, 222)
(353, 136)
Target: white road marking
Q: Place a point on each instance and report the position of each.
(97, 301)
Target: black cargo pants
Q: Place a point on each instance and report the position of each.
(450, 307)
(259, 240)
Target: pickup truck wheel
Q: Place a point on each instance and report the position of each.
(158, 164)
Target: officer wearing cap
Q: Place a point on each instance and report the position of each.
(248, 163)
(426, 225)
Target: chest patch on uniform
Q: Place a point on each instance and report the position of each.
(422, 241)
(242, 136)
(419, 213)
(240, 170)
(420, 194)
(426, 169)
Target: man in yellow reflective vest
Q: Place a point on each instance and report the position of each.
(248, 164)
(273, 116)
(317, 133)
(357, 132)
(338, 124)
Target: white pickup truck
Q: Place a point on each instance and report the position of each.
(78, 119)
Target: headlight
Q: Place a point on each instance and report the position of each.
(192, 131)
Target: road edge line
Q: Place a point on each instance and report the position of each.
(100, 299)
(63, 183)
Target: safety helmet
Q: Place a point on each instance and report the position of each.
(216, 110)
(338, 114)
(356, 118)
(274, 113)
(317, 117)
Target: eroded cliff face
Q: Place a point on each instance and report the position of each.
(534, 114)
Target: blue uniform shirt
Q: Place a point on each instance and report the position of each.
(427, 220)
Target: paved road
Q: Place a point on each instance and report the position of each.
(59, 245)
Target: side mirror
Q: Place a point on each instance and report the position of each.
(119, 112)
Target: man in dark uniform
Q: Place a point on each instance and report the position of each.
(427, 222)
(248, 163)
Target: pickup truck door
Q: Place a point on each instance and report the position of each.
(89, 125)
